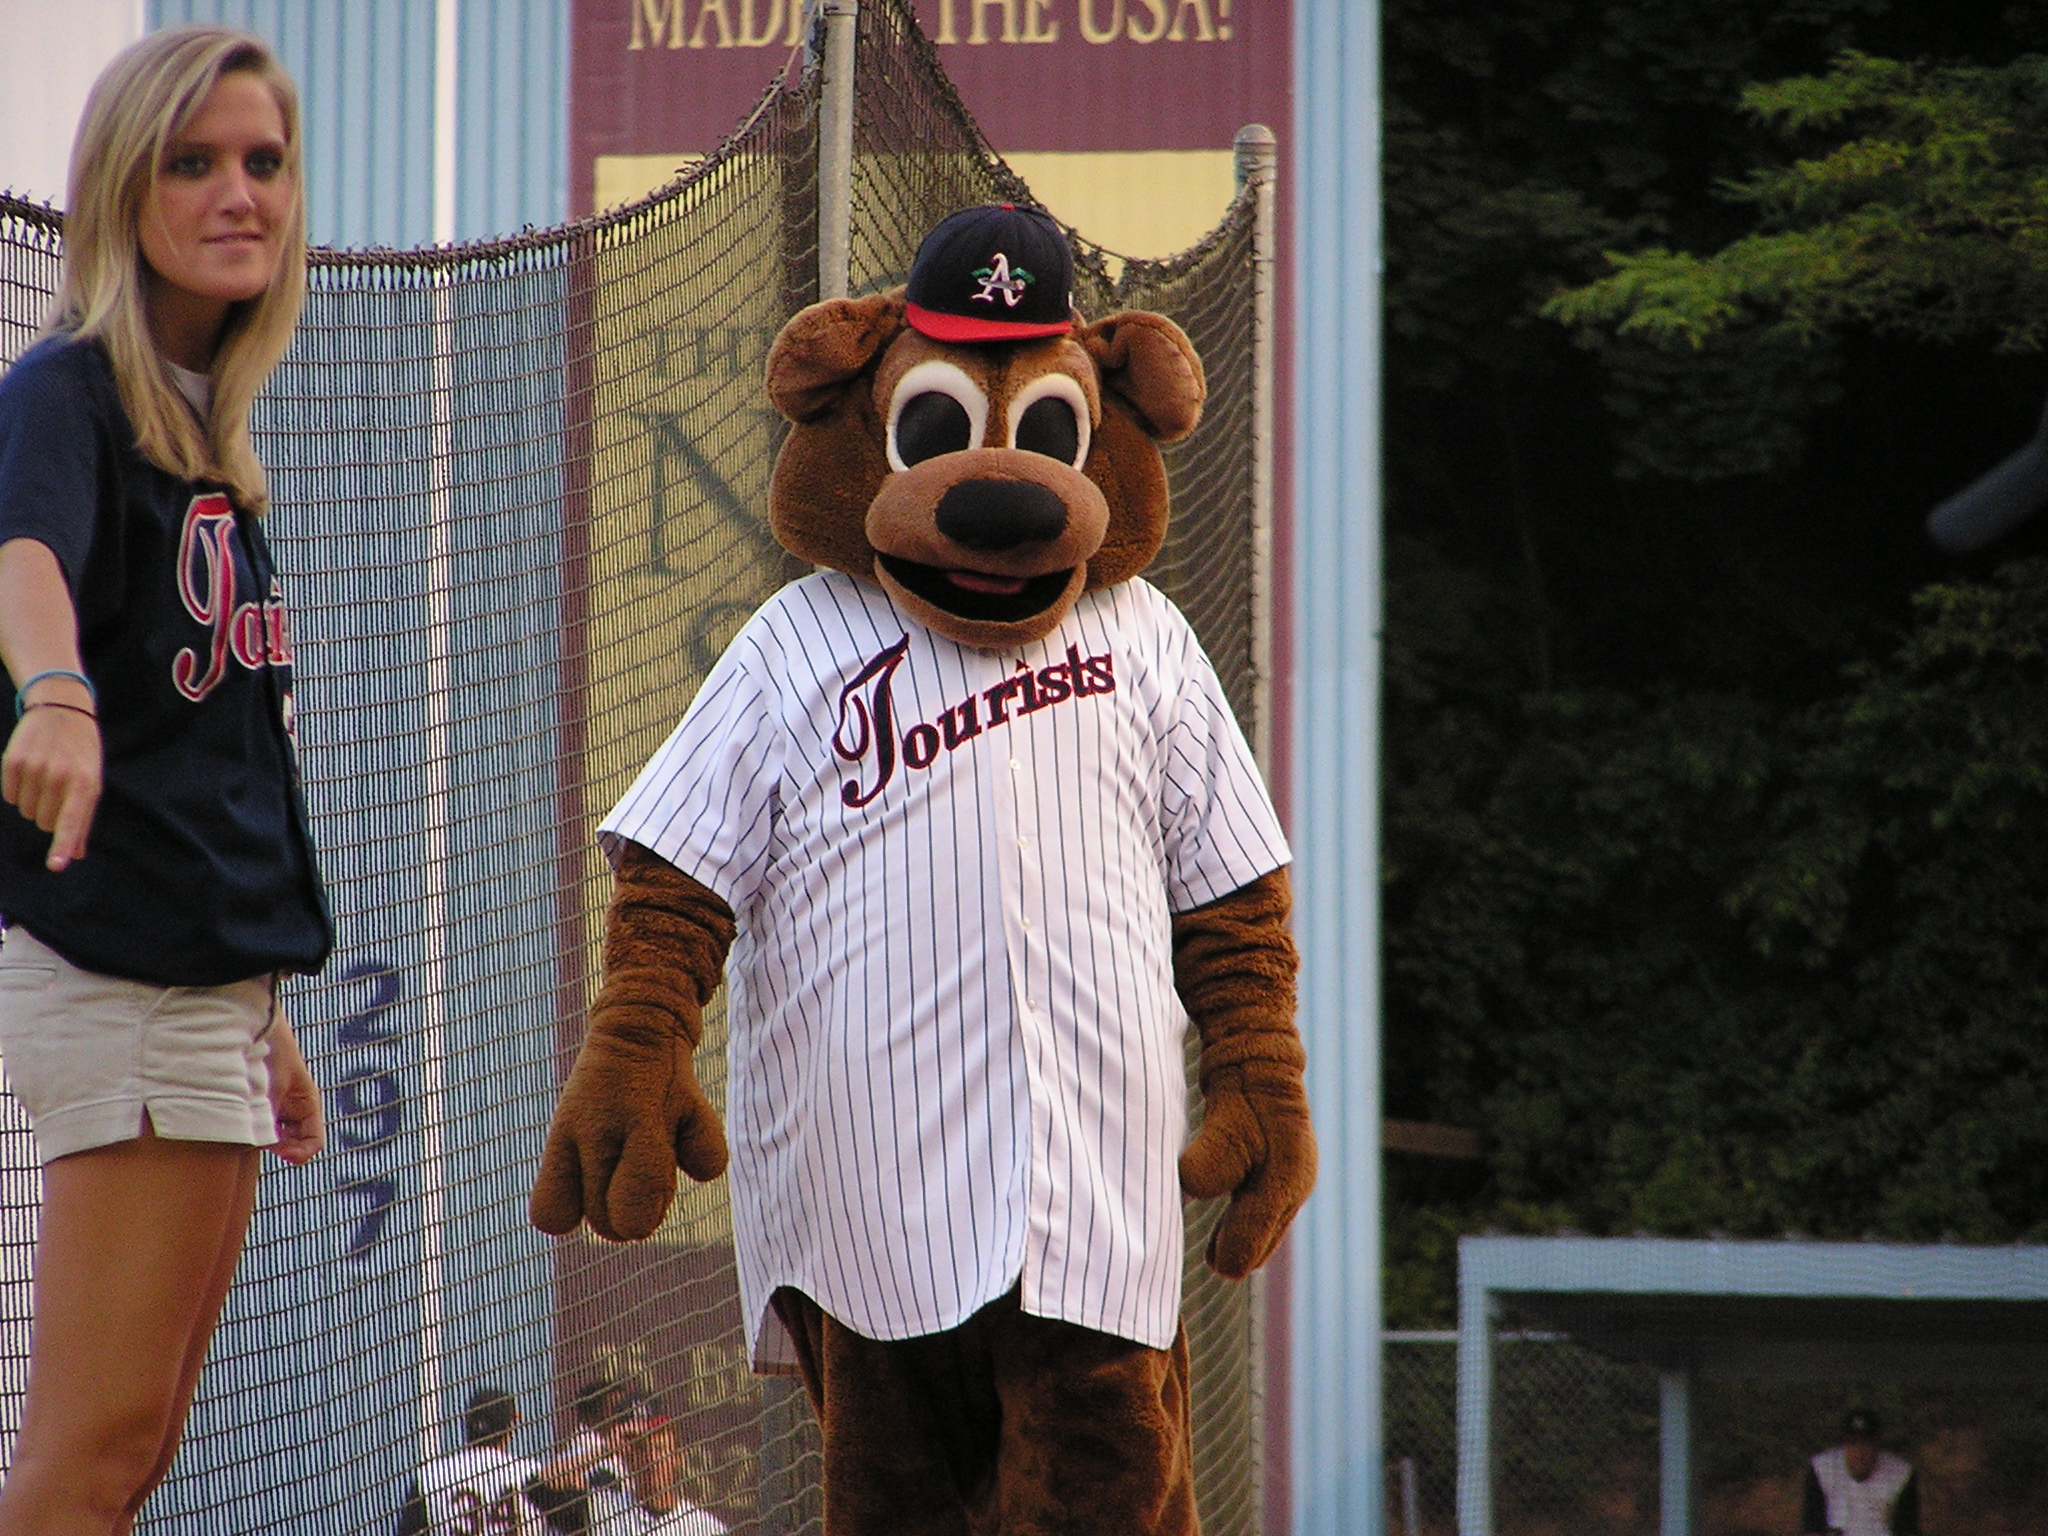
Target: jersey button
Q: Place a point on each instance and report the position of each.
(1015, 766)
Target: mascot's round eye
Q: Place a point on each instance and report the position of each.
(1050, 416)
(936, 408)
(931, 424)
(1048, 427)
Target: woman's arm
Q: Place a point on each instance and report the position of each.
(51, 771)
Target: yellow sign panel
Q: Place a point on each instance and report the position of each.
(1145, 203)
(623, 179)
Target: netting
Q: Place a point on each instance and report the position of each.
(1576, 1442)
(520, 495)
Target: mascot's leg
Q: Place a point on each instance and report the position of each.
(1095, 1431)
(907, 1449)
(1009, 1425)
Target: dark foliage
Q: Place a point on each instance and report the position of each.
(1716, 840)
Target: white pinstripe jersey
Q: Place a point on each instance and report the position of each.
(479, 1490)
(956, 1050)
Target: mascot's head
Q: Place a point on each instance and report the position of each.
(968, 444)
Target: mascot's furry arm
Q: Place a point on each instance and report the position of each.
(1233, 965)
(632, 1111)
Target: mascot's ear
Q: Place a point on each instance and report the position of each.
(1148, 362)
(824, 348)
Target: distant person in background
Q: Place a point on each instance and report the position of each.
(481, 1487)
(603, 1405)
(1857, 1489)
(654, 1476)
(582, 1494)
(592, 1459)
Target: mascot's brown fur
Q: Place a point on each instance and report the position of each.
(1010, 1423)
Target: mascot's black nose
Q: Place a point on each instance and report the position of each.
(1000, 514)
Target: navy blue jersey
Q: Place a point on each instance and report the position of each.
(199, 870)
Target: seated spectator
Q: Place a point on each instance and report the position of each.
(654, 1467)
(582, 1495)
(480, 1487)
(602, 1405)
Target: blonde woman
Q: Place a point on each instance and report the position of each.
(155, 871)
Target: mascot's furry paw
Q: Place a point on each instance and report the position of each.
(1234, 964)
(631, 1114)
(632, 1111)
(1255, 1146)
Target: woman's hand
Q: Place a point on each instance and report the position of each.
(51, 771)
(51, 774)
(294, 1098)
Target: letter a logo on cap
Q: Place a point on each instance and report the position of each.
(999, 278)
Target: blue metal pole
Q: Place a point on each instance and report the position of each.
(1475, 1406)
(1336, 1314)
(1674, 1422)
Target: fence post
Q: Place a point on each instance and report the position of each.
(1334, 584)
(835, 151)
(1674, 1470)
(1258, 165)
(1475, 1405)
(438, 750)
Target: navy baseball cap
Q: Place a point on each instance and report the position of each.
(995, 273)
(1859, 1424)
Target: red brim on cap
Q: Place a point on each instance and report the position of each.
(941, 327)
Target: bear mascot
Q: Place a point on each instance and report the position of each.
(965, 824)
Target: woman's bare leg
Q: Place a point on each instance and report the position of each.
(137, 1244)
(195, 1350)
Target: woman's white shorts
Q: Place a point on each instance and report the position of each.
(88, 1055)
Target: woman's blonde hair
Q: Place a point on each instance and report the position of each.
(138, 106)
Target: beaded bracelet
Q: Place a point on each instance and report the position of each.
(21, 702)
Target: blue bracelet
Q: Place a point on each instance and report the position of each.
(21, 703)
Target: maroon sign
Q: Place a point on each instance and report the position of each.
(674, 77)
(1053, 75)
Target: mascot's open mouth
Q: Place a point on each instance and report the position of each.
(978, 594)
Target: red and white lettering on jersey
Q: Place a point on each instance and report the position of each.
(254, 634)
(867, 712)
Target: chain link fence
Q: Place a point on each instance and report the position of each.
(520, 504)
(1576, 1440)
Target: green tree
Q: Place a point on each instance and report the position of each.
(1926, 216)
(1703, 964)
(1712, 878)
